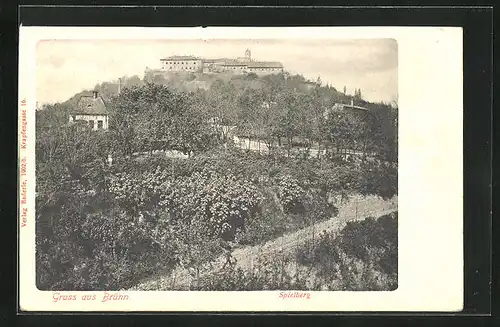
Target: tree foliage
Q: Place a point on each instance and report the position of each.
(104, 227)
(362, 257)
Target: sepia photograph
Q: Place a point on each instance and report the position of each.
(217, 165)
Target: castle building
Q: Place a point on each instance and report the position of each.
(181, 63)
(265, 67)
(246, 58)
(234, 66)
(239, 65)
(92, 110)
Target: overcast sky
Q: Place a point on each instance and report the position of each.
(65, 67)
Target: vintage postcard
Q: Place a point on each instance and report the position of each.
(240, 169)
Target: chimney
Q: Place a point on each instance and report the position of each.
(95, 94)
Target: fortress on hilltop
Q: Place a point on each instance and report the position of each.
(239, 65)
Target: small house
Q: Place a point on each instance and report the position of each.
(92, 110)
(341, 107)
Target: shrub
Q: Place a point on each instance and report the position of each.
(372, 240)
(268, 274)
(291, 194)
(103, 228)
(362, 257)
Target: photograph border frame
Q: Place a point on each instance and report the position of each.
(474, 232)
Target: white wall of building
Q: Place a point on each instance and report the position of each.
(182, 65)
(235, 69)
(265, 71)
(94, 118)
(199, 65)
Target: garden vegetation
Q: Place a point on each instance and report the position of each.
(105, 227)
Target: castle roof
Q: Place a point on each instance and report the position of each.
(265, 64)
(239, 62)
(90, 105)
(181, 58)
(232, 62)
(216, 60)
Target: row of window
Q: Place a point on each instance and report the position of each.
(180, 63)
(264, 69)
(233, 68)
(99, 124)
(185, 68)
(256, 69)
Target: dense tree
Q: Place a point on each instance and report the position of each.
(102, 227)
(222, 105)
(152, 117)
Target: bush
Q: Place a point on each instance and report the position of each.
(291, 195)
(93, 244)
(269, 223)
(102, 227)
(266, 275)
(362, 257)
(372, 240)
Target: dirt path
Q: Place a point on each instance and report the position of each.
(357, 208)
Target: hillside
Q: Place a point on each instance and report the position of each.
(103, 225)
(191, 82)
(275, 109)
(357, 208)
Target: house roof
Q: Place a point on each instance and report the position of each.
(349, 106)
(355, 107)
(181, 58)
(88, 105)
(265, 64)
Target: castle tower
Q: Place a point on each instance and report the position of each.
(248, 55)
